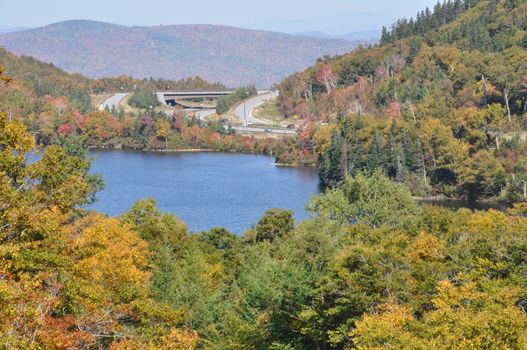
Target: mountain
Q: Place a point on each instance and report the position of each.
(440, 104)
(368, 35)
(365, 37)
(230, 55)
(315, 34)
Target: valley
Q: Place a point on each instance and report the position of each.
(205, 186)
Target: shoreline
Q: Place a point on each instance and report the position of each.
(188, 150)
(431, 199)
(295, 165)
(199, 150)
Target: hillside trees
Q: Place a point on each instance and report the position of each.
(452, 81)
(326, 76)
(70, 278)
(143, 98)
(226, 102)
(486, 25)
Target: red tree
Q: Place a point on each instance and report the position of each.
(326, 76)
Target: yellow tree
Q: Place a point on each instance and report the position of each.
(390, 328)
(69, 283)
(322, 138)
(4, 78)
(163, 130)
(465, 317)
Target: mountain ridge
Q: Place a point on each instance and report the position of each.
(231, 55)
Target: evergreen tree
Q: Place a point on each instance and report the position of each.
(375, 154)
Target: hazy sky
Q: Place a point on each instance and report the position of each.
(266, 14)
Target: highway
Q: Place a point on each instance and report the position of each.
(202, 114)
(255, 126)
(249, 129)
(249, 123)
(244, 111)
(112, 101)
(261, 129)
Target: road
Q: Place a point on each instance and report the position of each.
(202, 114)
(250, 123)
(113, 101)
(251, 129)
(244, 111)
(250, 105)
(261, 129)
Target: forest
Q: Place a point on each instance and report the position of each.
(440, 104)
(370, 269)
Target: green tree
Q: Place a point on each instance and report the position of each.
(482, 176)
(143, 98)
(274, 224)
(373, 200)
(494, 123)
(154, 226)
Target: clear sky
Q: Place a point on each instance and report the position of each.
(285, 15)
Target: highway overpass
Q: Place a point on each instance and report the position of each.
(170, 97)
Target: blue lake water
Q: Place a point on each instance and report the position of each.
(203, 189)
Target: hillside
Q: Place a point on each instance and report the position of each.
(35, 79)
(230, 55)
(439, 105)
(55, 105)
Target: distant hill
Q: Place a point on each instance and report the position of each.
(333, 26)
(37, 82)
(8, 29)
(315, 34)
(368, 35)
(230, 55)
(357, 38)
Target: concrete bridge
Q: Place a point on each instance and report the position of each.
(170, 97)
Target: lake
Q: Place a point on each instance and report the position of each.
(203, 189)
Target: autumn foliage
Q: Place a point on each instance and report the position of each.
(68, 278)
(371, 269)
(444, 87)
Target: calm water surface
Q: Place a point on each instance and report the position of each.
(204, 189)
